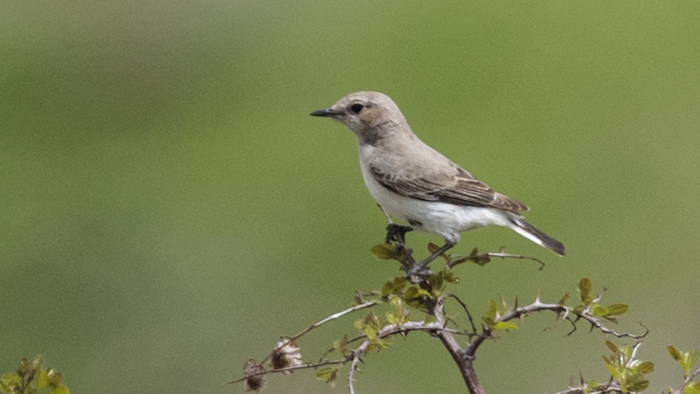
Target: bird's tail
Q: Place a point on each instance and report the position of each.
(535, 235)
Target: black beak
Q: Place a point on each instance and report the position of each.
(326, 113)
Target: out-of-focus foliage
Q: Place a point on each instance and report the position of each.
(32, 378)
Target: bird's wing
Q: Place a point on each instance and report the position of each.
(458, 187)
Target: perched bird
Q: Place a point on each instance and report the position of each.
(414, 182)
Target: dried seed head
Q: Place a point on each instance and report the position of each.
(287, 354)
(253, 383)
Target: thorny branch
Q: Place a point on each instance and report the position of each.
(320, 323)
(434, 306)
(563, 311)
(610, 387)
(290, 369)
(487, 256)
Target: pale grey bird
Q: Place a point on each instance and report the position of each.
(414, 182)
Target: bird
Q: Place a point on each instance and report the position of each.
(414, 182)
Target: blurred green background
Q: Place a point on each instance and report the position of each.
(169, 209)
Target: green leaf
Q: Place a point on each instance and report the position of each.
(493, 309)
(359, 324)
(590, 386)
(692, 388)
(599, 310)
(645, 367)
(341, 345)
(480, 260)
(24, 367)
(626, 351)
(415, 292)
(564, 299)
(434, 248)
(385, 252)
(504, 325)
(390, 317)
(12, 379)
(613, 348)
(608, 360)
(585, 286)
(370, 332)
(55, 378)
(42, 380)
(387, 289)
(613, 371)
(430, 319)
(450, 277)
(328, 374)
(60, 390)
(638, 386)
(675, 353)
(399, 283)
(617, 309)
(691, 358)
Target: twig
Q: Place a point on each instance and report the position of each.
(488, 255)
(353, 366)
(434, 327)
(464, 306)
(319, 323)
(611, 387)
(290, 369)
(686, 381)
(562, 310)
(330, 350)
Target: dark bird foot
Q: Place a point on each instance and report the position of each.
(396, 233)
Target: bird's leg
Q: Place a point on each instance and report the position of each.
(388, 217)
(418, 269)
(396, 232)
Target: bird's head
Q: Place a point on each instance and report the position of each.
(370, 115)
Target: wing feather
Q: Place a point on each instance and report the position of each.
(459, 188)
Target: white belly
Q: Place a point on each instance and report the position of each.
(446, 220)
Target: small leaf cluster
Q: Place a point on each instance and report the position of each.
(473, 256)
(686, 360)
(328, 374)
(370, 327)
(31, 377)
(386, 251)
(626, 369)
(492, 317)
(592, 306)
(418, 296)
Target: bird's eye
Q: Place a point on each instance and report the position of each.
(356, 108)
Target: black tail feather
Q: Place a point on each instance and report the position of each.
(534, 234)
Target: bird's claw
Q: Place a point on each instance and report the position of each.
(417, 273)
(396, 232)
